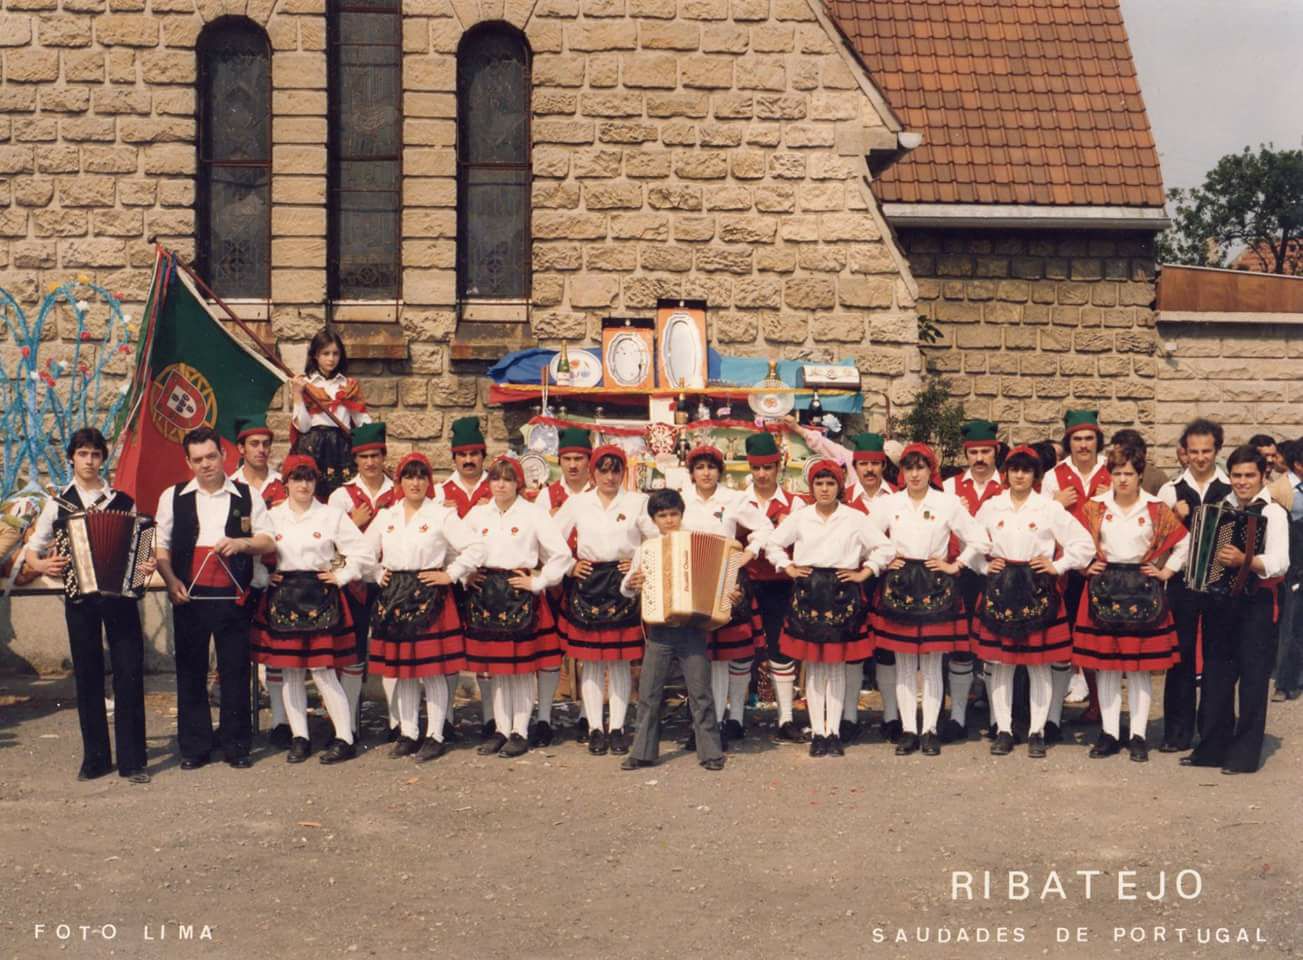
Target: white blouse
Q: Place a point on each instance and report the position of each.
(1031, 530)
(606, 533)
(310, 540)
(515, 540)
(921, 531)
(424, 541)
(1125, 536)
(305, 421)
(723, 513)
(844, 540)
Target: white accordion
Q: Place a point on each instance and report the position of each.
(688, 578)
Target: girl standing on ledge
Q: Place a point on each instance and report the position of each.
(326, 386)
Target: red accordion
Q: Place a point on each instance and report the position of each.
(106, 551)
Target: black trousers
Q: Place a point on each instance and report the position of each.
(361, 613)
(773, 597)
(227, 625)
(1239, 648)
(1289, 663)
(89, 621)
(1179, 687)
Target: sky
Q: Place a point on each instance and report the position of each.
(1216, 76)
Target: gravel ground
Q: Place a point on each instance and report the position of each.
(560, 854)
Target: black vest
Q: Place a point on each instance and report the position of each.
(116, 500)
(185, 532)
(1217, 492)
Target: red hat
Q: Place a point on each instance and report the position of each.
(296, 460)
(705, 450)
(1023, 448)
(515, 467)
(608, 450)
(828, 466)
(414, 457)
(926, 452)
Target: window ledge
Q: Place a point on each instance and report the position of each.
(487, 329)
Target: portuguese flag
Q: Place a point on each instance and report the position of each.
(190, 372)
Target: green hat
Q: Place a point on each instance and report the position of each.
(867, 446)
(466, 434)
(1076, 420)
(762, 448)
(246, 427)
(369, 436)
(979, 433)
(574, 440)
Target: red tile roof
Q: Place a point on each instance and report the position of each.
(1018, 101)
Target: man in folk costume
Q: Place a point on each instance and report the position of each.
(1082, 476)
(975, 486)
(93, 619)
(1203, 482)
(209, 531)
(772, 588)
(1241, 634)
(869, 460)
(369, 492)
(467, 487)
(574, 451)
(253, 439)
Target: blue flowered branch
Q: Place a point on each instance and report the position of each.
(43, 401)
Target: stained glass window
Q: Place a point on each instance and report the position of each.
(366, 143)
(233, 200)
(493, 165)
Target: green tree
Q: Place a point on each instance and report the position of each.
(1248, 200)
(934, 419)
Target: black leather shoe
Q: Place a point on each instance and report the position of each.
(404, 747)
(1053, 732)
(1106, 746)
(789, 732)
(540, 734)
(1193, 761)
(280, 736)
(242, 762)
(713, 764)
(136, 776)
(633, 763)
(337, 752)
(392, 734)
(194, 763)
(1138, 749)
(450, 734)
(489, 729)
(1232, 772)
(951, 731)
(849, 731)
(94, 773)
(300, 750)
(1036, 746)
(732, 730)
(618, 742)
(834, 746)
(581, 730)
(1175, 745)
(908, 744)
(516, 746)
(818, 746)
(891, 731)
(492, 745)
(597, 743)
(1003, 745)
(431, 749)
(930, 744)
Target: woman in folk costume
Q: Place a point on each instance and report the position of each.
(918, 608)
(324, 390)
(1020, 618)
(416, 633)
(834, 550)
(303, 622)
(510, 632)
(600, 626)
(1123, 624)
(714, 508)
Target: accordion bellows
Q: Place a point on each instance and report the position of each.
(688, 578)
(107, 550)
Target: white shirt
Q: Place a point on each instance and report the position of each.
(723, 512)
(43, 534)
(1031, 530)
(424, 541)
(339, 496)
(258, 488)
(921, 531)
(608, 532)
(789, 500)
(844, 540)
(212, 509)
(305, 421)
(859, 493)
(1167, 492)
(1050, 483)
(951, 484)
(1125, 536)
(516, 539)
(1275, 548)
(310, 540)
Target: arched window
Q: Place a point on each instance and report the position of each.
(493, 164)
(233, 197)
(366, 148)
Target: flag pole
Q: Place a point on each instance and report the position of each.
(266, 350)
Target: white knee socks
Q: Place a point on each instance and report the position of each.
(390, 685)
(272, 677)
(1108, 684)
(929, 664)
(1002, 695)
(816, 695)
(1060, 678)
(1140, 693)
(335, 700)
(886, 674)
(591, 688)
(350, 678)
(620, 675)
(1040, 689)
(513, 702)
(406, 700)
(961, 683)
(739, 680)
(854, 678)
(784, 677)
(547, 684)
(907, 690)
(436, 706)
(294, 693)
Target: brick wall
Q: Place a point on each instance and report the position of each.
(696, 148)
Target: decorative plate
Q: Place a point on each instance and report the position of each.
(660, 437)
(537, 471)
(585, 369)
(628, 360)
(542, 438)
(772, 405)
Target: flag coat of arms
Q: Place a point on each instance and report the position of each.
(190, 372)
